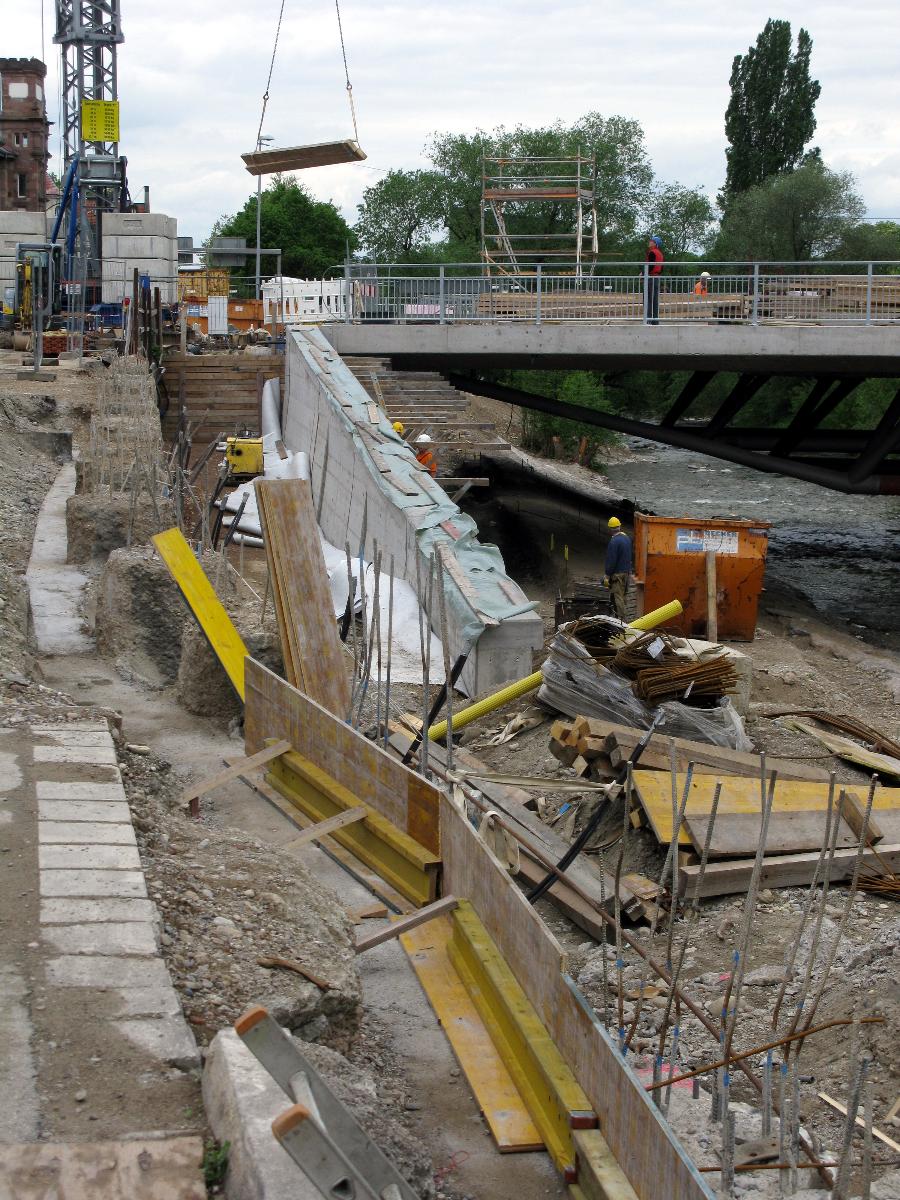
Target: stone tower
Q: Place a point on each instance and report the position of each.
(24, 135)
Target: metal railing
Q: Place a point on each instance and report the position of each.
(818, 292)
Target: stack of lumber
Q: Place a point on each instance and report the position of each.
(794, 837)
(598, 749)
(309, 636)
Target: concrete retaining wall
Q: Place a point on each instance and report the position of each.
(327, 414)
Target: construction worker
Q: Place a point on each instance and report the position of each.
(654, 259)
(701, 287)
(618, 566)
(424, 455)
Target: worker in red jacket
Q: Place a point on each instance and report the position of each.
(655, 260)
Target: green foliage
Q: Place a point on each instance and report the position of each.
(400, 215)
(542, 433)
(215, 1163)
(312, 233)
(683, 217)
(806, 213)
(880, 240)
(770, 117)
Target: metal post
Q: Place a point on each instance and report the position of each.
(348, 298)
(537, 301)
(869, 295)
(442, 298)
(646, 291)
(37, 308)
(754, 319)
(258, 225)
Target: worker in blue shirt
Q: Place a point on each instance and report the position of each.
(618, 566)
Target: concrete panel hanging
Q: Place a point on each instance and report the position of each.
(298, 158)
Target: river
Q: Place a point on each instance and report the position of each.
(842, 553)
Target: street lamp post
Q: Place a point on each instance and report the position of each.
(259, 145)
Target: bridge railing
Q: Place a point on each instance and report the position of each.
(816, 292)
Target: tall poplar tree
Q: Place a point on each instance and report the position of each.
(770, 118)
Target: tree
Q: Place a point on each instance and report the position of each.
(770, 118)
(401, 214)
(312, 234)
(683, 217)
(878, 240)
(792, 218)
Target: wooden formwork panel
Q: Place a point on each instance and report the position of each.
(275, 709)
(221, 391)
(309, 636)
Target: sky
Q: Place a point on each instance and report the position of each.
(192, 74)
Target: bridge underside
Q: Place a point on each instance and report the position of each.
(835, 360)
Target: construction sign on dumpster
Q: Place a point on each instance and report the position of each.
(700, 541)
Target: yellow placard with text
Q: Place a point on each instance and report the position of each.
(100, 120)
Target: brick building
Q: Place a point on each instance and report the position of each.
(24, 135)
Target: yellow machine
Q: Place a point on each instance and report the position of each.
(244, 458)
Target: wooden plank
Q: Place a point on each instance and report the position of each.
(842, 1109)
(741, 795)
(495, 1093)
(712, 604)
(883, 764)
(205, 605)
(737, 834)
(192, 796)
(422, 916)
(731, 876)
(168, 1168)
(854, 813)
(313, 658)
(322, 828)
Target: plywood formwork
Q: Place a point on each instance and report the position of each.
(275, 709)
(217, 392)
(309, 637)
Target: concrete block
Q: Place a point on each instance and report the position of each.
(75, 737)
(84, 810)
(241, 1101)
(167, 1038)
(63, 911)
(129, 885)
(161, 1000)
(95, 755)
(71, 789)
(73, 727)
(124, 937)
(94, 832)
(90, 858)
(106, 971)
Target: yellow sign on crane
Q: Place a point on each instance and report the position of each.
(100, 120)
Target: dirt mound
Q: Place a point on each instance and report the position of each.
(98, 523)
(140, 616)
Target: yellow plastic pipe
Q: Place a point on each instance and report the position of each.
(514, 690)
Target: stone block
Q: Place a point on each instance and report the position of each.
(161, 1000)
(71, 789)
(95, 832)
(90, 858)
(75, 912)
(103, 756)
(167, 1038)
(106, 971)
(84, 810)
(125, 884)
(113, 937)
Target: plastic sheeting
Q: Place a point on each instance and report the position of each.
(580, 687)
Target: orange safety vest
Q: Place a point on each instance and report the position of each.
(700, 288)
(427, 459)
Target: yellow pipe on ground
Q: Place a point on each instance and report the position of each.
(514, 690)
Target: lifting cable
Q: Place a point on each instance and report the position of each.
(337, 9)
(265, 99)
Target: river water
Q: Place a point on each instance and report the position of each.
(842, 553)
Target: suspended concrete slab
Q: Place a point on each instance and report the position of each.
(298, 158)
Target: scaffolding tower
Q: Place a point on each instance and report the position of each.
(567, 182)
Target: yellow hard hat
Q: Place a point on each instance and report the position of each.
(614, 523)
(399, 427)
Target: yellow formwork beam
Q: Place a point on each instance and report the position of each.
(385, 849)
(552, 1095)
(209, 613)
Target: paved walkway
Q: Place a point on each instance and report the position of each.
(55, 587)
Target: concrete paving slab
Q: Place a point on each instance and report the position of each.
(63, 736)
(167, 1038)
(18, 1078)
(105, 971)
(113, 937)
(79, 726)
(95, 832)
(103, 756)
(127, 884)
(68, 789)
(152, 1168)
(241, 1101)
(98, 858)
(78, 911)
(159, 1001)
(84, 810)
(56, 589)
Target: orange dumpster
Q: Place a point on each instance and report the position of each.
(670, 560)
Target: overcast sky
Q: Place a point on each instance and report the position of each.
(192, 74)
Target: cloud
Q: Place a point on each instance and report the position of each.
(192, 76)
